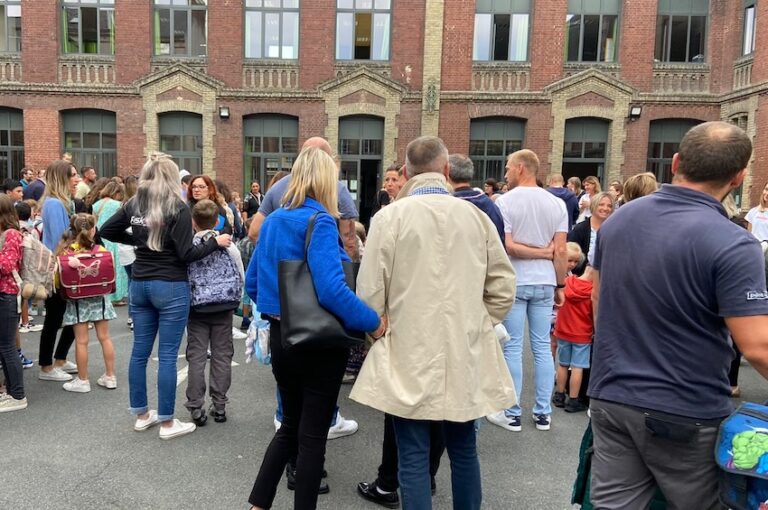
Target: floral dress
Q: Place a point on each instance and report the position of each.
(92, 309)
(104, 209)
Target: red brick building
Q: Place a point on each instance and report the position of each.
(233, 87)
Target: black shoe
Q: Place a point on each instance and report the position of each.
(574, 405)
(370, 492)
(434, 485)
(219, 416)
(199, 417)
(290, 475)
(558, 399)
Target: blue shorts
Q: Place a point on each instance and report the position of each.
(573, 355)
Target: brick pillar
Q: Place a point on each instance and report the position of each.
(725, 33)
(547, 43)
(225, 37)
(458, 34)
(42, 137)
(406, 50)
(133, 40)
(637, 38)
(39, 41)
(317, 48)
(760, 62)
(130, 139)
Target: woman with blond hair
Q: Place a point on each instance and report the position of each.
(585, 233)
(161, 230)
(308, 379)
(591, 188)
(638, 186)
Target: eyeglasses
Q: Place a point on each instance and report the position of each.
(200, 186)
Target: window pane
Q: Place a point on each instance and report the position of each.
(696, 48)
(108, 141)
(350, 146)
(362, 36)
(272, 35)
(494, 169)
(291, 145)
(572, 150)
(513, 146)
(481, 49)
(654, 150)
(90, 31)
(271, 144)
(14, 28)
(72, 44)
(272, 3)
(3, 34)
(495, 147)
(679, 39)
(476, 147)
(382, 4)
(608, 38)
(591, 38)
(500, 36)
(518, 38)
(594, 150)
(749, 30)
(364, 4)
(163, 32)
(574, 34)
(170, 143)
(661, 53)
(17, 138)
(291, 35)
(199, 36)
(180, 33)
(107, 31)
(252, 34)
(91, 141)
(669, 150)
(71, 140)
(345, 4)
(380, 37)
(344, 35)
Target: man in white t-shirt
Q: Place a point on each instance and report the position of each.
(535, 226)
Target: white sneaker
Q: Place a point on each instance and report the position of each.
(179, 428)
(342, 428)
(35, 327)
(277, 422)
(238, 335)
(145, 424)
(68, 367)
(108, 382)
(8, 404)
(501, 420)
(78, 385)
(23, 328)
(56, 374)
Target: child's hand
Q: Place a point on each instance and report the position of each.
(224, 240)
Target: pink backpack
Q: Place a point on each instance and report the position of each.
(86, 274)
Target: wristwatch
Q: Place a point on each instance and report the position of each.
(560, 285)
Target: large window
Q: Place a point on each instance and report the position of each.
(181, 136)
(181, 28)
(10, 26)
(272, 29)
(681, 30)
(501, 30)
(591, 30)
(663, 142)
(271, 145)
(89, 26)
(490, 142)
(11, 143)
(748, 46)
(362, 29)
(90, 136)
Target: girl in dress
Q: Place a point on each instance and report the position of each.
(80, 312)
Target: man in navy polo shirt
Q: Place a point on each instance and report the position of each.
(673, 276)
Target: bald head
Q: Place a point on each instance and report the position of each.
(713, 152)
(319, 142)
(426, 154)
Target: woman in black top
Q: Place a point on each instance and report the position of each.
(202, 187)
(161, 225)
(584, 233)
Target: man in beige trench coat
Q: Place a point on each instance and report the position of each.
(435, 266)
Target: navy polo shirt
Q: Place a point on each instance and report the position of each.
(672, 267)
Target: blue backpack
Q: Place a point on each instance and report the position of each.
(215, 283)
(742, 453)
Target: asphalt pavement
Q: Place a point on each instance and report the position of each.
(70, 450)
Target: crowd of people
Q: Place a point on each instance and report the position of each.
(630, 312)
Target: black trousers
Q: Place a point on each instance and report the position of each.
(387, 479)
(13, 372)
(54, 316)
(309, 383)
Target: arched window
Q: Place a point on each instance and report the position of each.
(11, 143)
(663, 141)
(181, 136)
(491, 140)
(271, 145)
(90, 136)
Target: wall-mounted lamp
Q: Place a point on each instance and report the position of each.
(635, 112)
(224, 112)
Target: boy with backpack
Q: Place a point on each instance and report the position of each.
(216, 282)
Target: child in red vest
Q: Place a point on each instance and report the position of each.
(574, 329)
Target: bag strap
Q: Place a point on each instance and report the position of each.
(308, 236)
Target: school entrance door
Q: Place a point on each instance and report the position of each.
(360, 148)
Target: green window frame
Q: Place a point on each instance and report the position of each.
(750, 24)
(363, 29)
(272, 29)
(681, 31)
(88, 27)
(502, 30)
(592, 30)
(180, 28)
(91, 137)
(11, 143)
(271, 144)
(664, 139)
(10, 26)
(491, 140)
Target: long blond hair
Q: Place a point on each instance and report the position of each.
(158, 196)
(57, 182)
(315, 175)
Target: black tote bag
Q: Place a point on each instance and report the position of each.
(304, 323)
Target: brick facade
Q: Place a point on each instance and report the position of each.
(430, 83)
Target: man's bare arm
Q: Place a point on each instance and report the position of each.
(523, 251)
(751, 336)
(253, 232)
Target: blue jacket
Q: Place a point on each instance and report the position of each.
(485, 204)
(55, 222)
(282, 238)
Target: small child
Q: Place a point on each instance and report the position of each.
(79, 312)
(575, 259)
(217, 282)
(245, 247)
(24, 212)
(574, 329)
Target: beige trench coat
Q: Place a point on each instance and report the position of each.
(434, 264)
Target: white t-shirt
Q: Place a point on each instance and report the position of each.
(533, 215)
(759, 222)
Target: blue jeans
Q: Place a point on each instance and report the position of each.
(156, 306)
(532, 302)
(413, 444)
